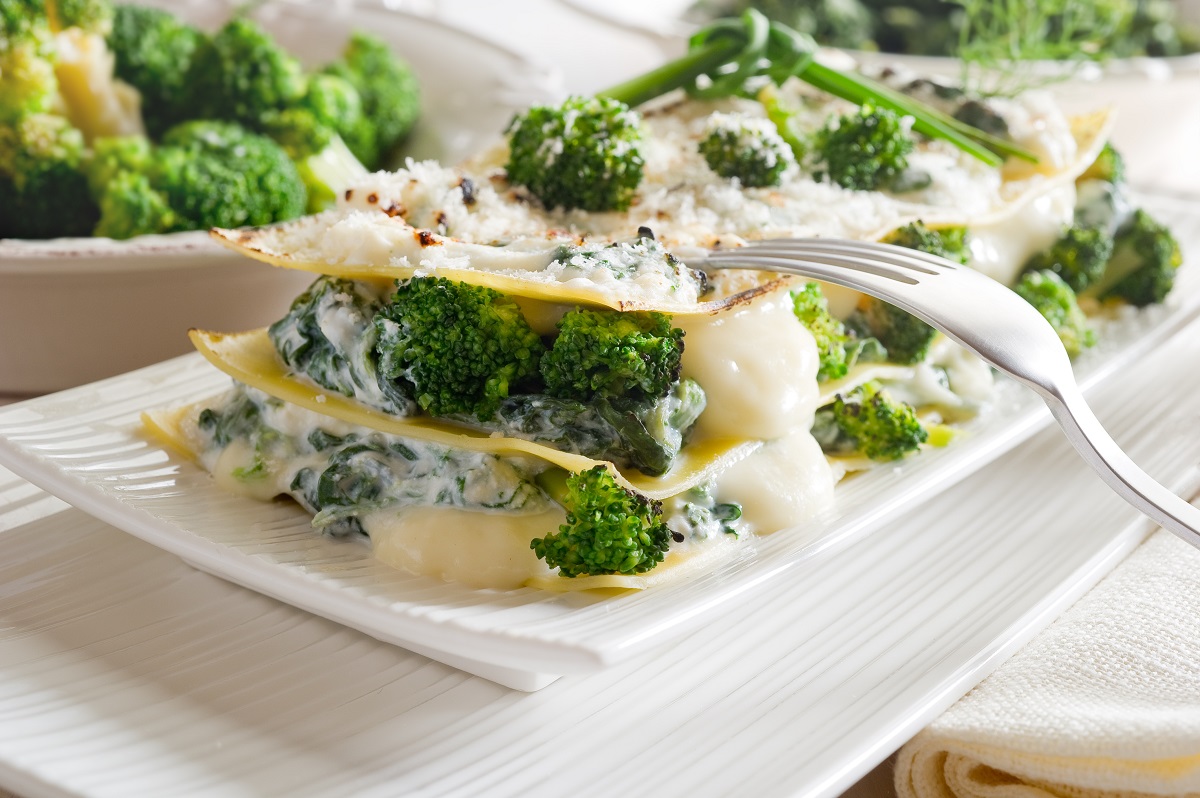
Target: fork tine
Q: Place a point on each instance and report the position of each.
(869, 277)
(910, 258)
(900, 260)
(852, 256)
(880, 247)
(892, 252)
(791, 258)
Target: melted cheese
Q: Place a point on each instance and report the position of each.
(861, 373)
(783, 484)
(758, 367)
(1001, 248)
(484, 550)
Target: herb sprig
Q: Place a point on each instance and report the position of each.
(999, 40)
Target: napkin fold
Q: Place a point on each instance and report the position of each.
(1105, 702)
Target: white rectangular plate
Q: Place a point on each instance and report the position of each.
(85, 446)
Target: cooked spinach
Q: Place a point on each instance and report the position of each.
(328, 336)
(379, 471)
(645, 434)
(698, 515)
(243, 419)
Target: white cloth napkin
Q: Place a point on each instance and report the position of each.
(1106, 702)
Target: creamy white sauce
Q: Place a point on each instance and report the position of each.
(757, 364)
(1001, 249)
(1036, 123)
(235, 457)
(411, 471)
(785, 483)
(951, 380)
(971, 379)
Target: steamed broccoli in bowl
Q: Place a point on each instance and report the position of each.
(109, 71)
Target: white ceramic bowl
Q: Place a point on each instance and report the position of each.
(75, 310)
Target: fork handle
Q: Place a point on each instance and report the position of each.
(1124, 476)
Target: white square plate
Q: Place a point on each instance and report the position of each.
(84, 445)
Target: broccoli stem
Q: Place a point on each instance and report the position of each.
(554, 482)
(327, 173)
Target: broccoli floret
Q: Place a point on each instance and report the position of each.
(152, 50)
(864, 150)
(746, 149)
(391, 99)
(218, 174)
(1102, 205)
(905, 337)
(240, 74)
(460, 347)
(643, 434)
(948, 242)
(1055, 300)
(18, 18)
(27, 81)
(43, 190)
(1079, 257)
(335, 103)
(582, 154)
(116, 154)
(606, 353)
(1144, 262)
(609, 530)
(837, 348)
(205, 173)
(130, 206)
(812, 309)
(93, 16)
(1109, 165)
(322, 158)
(881, 427)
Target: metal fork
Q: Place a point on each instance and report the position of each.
(990, 320)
